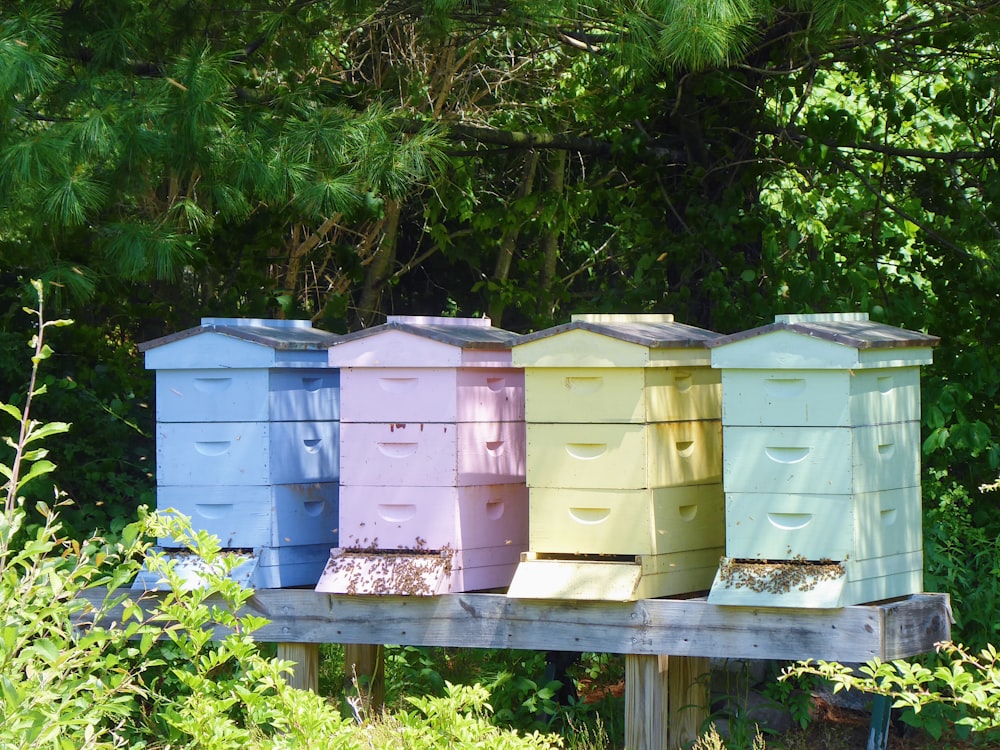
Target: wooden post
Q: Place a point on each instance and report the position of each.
(689, 688)
(666, 700)
(305, 675)
(364, 675)
(646, 691)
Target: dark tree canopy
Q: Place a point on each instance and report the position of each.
(724, 160)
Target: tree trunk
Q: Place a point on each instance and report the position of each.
(508, 241)
(554, 183)
(379, 266)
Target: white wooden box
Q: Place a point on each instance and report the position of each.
(816, 587)
(240, 395)
(833, 398)
(622, 394)
(783, 526)
(818, 460)
(624, 456)
(435, 518)
(428, 394)
(253, 517)
(247, 453)
(626, 522)
(411, 454)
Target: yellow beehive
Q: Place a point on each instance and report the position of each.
(624, 459)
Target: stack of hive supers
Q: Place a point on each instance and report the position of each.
(247, 440)
(821, 418)
(433, 496)
(624, 459)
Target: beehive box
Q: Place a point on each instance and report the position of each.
(247, 442)
(433, 458)
(257, 517)
(822, 465)
(625, 456)
(624, 460)
(626, 522)
(432, 454)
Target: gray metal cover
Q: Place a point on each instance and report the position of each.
(472, 336)
(276, 334)
(651, 335)
(852, 329)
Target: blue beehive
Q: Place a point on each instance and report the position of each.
(247, 442)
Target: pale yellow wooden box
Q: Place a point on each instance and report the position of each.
(626, 522)
(642, 577)
(622, 394)
(624, 456)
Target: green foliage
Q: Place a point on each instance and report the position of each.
(522, 695)
(962, 557)
(458, 719)
(710, 740)
(958, 692)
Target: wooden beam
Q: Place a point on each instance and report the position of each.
(690, 627)
(646, 701)
(305, 674)
(364, 676)
(688, 685)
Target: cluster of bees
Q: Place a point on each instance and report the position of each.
(407, 571)
(778, 576)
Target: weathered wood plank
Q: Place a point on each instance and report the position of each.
(911, 624)
(689, 627)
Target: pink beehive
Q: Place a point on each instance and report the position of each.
(433, 495)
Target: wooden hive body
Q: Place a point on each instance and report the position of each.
(624, 460)
(433, 458)
(822, 464)
(248, 439)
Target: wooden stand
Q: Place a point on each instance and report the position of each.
(364, 675)
(667, 642)
(305, 673)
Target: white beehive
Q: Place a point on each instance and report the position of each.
(822, 461)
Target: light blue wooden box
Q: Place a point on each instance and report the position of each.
(821, 460)
(254, 517)
(247, 453)
(247, 441)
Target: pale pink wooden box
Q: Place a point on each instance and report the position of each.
(430, 454)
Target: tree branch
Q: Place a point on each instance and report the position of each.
(949, 157)
(653, 150)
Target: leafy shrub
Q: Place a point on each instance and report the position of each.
(958, 691)
(181, 670)
(961, 558)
